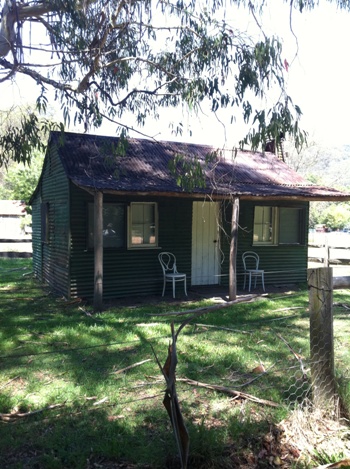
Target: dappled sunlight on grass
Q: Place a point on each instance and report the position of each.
(93, 390)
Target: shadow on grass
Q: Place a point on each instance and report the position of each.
(56, 352)
(81, 437)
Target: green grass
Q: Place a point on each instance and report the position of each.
(59, 363)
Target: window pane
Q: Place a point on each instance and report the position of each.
(263, 225)
(291, 226)
(113, 225)
(143, 224)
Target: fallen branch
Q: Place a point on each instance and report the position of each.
(17, 415)
(129, 367)
(101, 401)
(232, 392)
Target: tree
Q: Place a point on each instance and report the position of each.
(19, 180)
(336, 217)
(324, 166)
(108, 59)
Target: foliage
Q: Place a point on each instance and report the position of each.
(22, 134)
(20, 180)
(336, 216)
(321, 164)
(324, 166)
(109, 60)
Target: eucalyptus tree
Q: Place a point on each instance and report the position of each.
(105, 59)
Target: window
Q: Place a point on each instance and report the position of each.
(113, 225)
(264, 225)
(141, 228)
(292, 225)
(279, 225)
(143, 225)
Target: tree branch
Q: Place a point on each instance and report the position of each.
(11, 14)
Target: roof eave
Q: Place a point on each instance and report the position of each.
(217, 196)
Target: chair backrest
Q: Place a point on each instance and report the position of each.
(250, 260)
(168, 262)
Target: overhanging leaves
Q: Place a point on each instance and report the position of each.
(108, 60)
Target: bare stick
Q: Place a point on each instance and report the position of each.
(15, 415)
(129, 367)
(232, 392)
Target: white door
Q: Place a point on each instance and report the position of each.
(205, 244)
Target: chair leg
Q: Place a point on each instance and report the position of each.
(185, 286)
(250, 281)
(173, 288)
(262, 281)
(164, 282)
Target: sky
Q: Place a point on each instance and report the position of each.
(317, 80)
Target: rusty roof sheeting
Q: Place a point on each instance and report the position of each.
(92, 162)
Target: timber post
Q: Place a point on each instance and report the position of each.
(233, 250)
(326, 256)
(98, 251)
(320, 284)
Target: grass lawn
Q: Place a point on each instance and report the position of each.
(84, 390)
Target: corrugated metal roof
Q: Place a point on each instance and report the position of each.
(93, 162)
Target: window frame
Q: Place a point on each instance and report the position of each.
(274, 226)
(277, 219)
(132, 245)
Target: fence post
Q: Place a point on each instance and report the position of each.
(326, 247)
(320, 284)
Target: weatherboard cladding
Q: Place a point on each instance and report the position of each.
(128, 272)
(92, 162)
(51, 259)
(283, 264)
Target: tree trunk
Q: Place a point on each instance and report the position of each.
(233, 250)
(98, 251)
(12, 13)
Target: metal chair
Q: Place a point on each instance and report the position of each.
(251, 269)
(170, 274)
